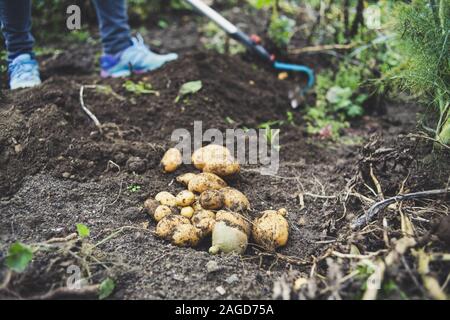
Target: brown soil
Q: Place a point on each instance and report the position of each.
(57, 171)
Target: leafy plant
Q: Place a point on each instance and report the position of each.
(189, 88)
(423, 38)
(139, 88)
(106, 288)
(19, 256)
(281, 29)
(83, 230)
(134, 187)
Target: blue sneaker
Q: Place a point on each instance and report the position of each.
(23, 72)
(137, 59)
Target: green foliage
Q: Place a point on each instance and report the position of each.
(83, 230)
(139, 88)
(134, 188)
(216, 39)
(190, 87)
(106, 288)
(281, 29)
(423, 38)
(19, 256)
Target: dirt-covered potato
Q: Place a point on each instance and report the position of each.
(185, 178)
(166, 198)
(150, 206)
(211, 200)
(228, 239)
(208, 154)
(187, 212)
(234, 219)
(234, 200)
(206, 181)
(161, 212)
(185, 198)
(166, 227)
(197, 206)
(215, 159)
(185, 235)
(204, 220)
(271, 229)
(171, 160)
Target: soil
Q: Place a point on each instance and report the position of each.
(57, 170)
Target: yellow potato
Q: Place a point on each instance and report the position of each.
(185, 235)
(150, 206)
(185, 198)
(185, 178)
(166, 227)
(228, 239)
(271, 230)
(234, 219)
(197, 206)
(211, 199)
(187, 212)
(204, 220)
(166, 198)
(161, 212)
(171, 160)
(222, 169)
(206, 181)
(208, 154)
(235, 200)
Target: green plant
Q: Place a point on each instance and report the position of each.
(423, 38)
(106, 288)
(139, 88)
(82, 230)
(187, 88)
(134, 188)
(19, 256)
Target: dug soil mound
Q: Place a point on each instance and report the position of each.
(57, 170)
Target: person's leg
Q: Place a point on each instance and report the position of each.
(15, 18)
(113, 22)
(123, 54)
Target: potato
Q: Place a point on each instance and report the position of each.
(150, 206)
(235, 200)
(171, 160)
(185, 235)
(211, 200)
(161, 212)
(234, 219)
(166, 198)
(197, 206)
(223, 169)
(166, 227)
(204, 220)
(271, 230)
(187, 212)
(185, 178)
(215, 159)
(208, 154)
(185, 198)
(206, 181)
(228, 239)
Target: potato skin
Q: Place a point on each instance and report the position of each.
(171, 160)
(166, 198)
(166, 227)
(185, 198)
(208, 154)
(234, 219)
(187, 212)
(150, 206)
(161, 212)
(228, 239)
(185, 178)
(204, 220)
(223, 169)
(185, 235)
(271, 230)
(211, 200)
(235, 200)
(206, 181)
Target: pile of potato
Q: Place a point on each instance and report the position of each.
(208, 207)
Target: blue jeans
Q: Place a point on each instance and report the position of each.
(15, 18)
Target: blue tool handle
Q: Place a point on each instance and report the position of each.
(299, 68)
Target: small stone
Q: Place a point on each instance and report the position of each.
(221, 290)
(136, 164)
(212, 266)
(302, 221)
(66, 175)
(232, 279)
(18, 148)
